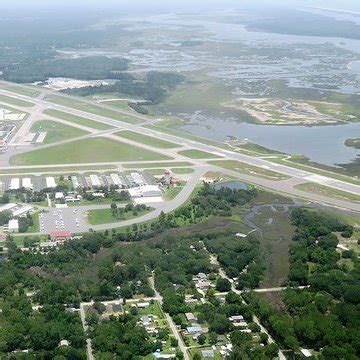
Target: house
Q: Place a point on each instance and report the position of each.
(194, 330)
(59, 195)
(306, 352)
(207, 353)
(190, 317)
(116, 307)
(143, 305)
(2, 237)
(236, 318)
(203, 284)
(146, 320)
(13, 226)
(60, 236)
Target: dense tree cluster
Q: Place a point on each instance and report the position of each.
(324, 317)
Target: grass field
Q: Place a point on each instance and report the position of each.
(86, 151)
(182, 170)
(277, 236)
(147, 140)
(69, 169)
(21, 90)
(93, 109)
(156, 165)
(328, 191)
(15, 102)
(56, 131)
(197, 154)
(171, 193)
(121, 104)
(249, 169)
(104, 216)
(168, 126)
(78, 119)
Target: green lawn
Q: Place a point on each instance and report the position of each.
(328, 191)
(104, 216)
(182, 170)
(56, 131)
(21, 90)
(171, 193)
(15, 102)
(69, 169)
(197, 154)
(121, 104)
(249, 169)
(86, 151)
(78, 119)
(93, 109)
(156, 165)
(147, 140)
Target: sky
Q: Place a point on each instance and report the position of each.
(168, 4)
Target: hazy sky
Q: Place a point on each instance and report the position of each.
(148, 4)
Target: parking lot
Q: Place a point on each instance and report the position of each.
(70, 219)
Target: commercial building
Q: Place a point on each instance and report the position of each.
(50, 182)
(75, 182)
(13, 226)
(145, 191)
(14, 184)
(27, 184)
(138, 179)
(115, 178)
(22, 211)
(95, 181)
(8, 207)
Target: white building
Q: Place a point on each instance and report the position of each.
(138, 178)
(75, 182)
(22, 211)
(59, 195)
(50, 182)
(14, 184)
(13, 226)
(95, 181)
(27, 183)
(8, 207)
(115, 178)
(306, 352)
(145, 191)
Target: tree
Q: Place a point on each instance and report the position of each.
(201, 339)
(223, 285)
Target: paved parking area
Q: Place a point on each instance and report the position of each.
(71, 219)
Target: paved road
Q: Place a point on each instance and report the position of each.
(255, 318)
(295, 173)
(173, 327)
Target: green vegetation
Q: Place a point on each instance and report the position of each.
(355, 143)
(173, 191)
(277, 233)
(26, 91)
(168, 126)
(325, 316)
(147, 140)
(156, 165)
(15, 102)
(327, 191)
(91, 108)
(249, 169)
(84, 68)
(56, 169)
(154, 86)
(116, 214)
(197, 154)
(85, 151)
(56, 131)
(78, 120)
(182, 170)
